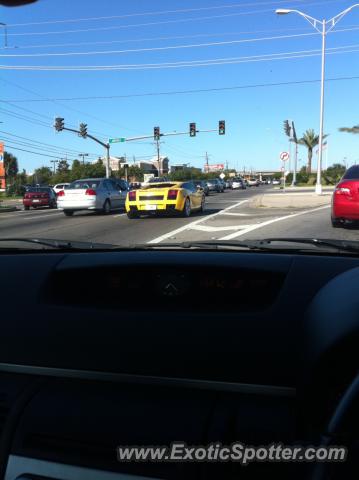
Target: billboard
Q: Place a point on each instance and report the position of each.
(2, 167)
(214, 168)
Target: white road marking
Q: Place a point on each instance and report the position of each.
(119, 215)
(196, 222)
(206, 228)
(269, 222)
(238, 214)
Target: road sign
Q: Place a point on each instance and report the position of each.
(222, 175)
(116, 140)
(284, 156)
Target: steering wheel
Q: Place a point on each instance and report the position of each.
(341, 429)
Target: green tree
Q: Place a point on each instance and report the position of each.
(10, 165)
(334, 173)
(354, 129)
(63, 166)
(310, 140)
(42, 175)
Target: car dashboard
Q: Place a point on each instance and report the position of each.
(104, 349)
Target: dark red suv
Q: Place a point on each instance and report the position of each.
(39, 197)
(345, 201)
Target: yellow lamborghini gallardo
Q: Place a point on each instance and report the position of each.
(165, 197)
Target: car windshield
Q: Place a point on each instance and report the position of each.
(104, 100)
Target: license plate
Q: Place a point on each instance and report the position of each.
(150, 207)
(35, 201)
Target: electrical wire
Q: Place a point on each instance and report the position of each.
(165, 22)
(153, 49)
(141, 14)
(182, 92)
(188, 63)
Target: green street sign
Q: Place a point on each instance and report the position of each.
(116, 140)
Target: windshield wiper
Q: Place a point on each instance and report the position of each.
(55, 244)
(267, 244)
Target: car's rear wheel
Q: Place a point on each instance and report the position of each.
(68, 213)
(336, 223)
(106, 207)
(131, 214)
(53, 205)
(186, 212)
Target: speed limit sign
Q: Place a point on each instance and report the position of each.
(284, 156)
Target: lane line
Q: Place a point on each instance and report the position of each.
(269, 222)
(196, 222)
(239, 214)
(119, 215)
(206, 228)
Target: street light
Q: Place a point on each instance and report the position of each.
(323, 27)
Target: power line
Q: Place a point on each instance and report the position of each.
(137, 40)
(34, 153)
(69, 108)
(165, 22)
(182, 92)
(153, 49)
(188, 63)
(141, 14)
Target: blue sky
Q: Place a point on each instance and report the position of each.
(254, 116)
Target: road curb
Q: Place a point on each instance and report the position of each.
(295, 202)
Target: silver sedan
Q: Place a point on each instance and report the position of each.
(98, 194)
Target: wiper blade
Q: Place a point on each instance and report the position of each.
(56, 244)
(343, 245)
(267, 244)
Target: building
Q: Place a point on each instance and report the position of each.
(2, 168)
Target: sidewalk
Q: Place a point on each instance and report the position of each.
(291, 200)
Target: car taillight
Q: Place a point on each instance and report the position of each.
(61, 193)
(343, 189)
(172, 194)
(90, 191)
(132, 196)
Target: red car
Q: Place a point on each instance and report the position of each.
(345, 200)
(39, 197)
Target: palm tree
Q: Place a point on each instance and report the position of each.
(354, 129)
(310, 140)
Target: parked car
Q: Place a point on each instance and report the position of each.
(39, 197)
(345, 199)
(276, 181)
(253, 182)
(60, 186)
(238, 183)
(227, 184)
(214, 185)
(98, 194)
(202, 184)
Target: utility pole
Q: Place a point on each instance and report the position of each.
(207, 165)
(158, 157)
(54, 162)
(83, 155)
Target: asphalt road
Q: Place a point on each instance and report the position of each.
(115, 228)
(228, 215)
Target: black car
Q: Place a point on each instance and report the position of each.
(202, 184)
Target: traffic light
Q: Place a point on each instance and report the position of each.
(192, 130)
(59, 124)
(156, 133)
(221, 127)
(83, 130)
(287, 128)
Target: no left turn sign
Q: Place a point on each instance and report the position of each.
(284, 156)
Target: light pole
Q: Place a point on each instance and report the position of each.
(323, 27)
